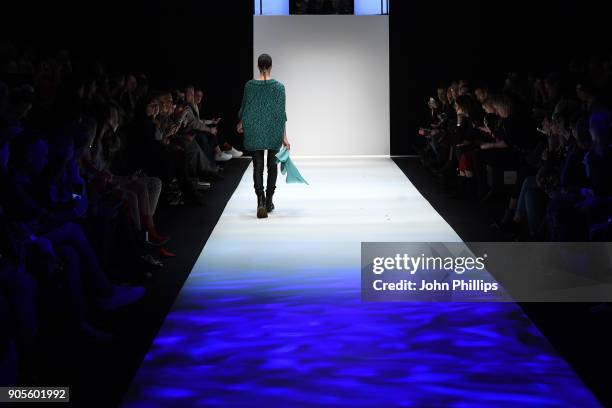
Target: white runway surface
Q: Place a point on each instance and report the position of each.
(348, 201)
(271, 314)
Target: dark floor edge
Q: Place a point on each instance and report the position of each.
(112, 367)
(578, 336)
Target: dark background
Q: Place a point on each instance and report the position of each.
(174, 43)
(210, 44)
(321, 6)
(436, 42)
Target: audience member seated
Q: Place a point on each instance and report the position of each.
(548, 137)
(205, 131)
(86, 159)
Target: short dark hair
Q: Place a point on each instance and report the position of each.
(264, 62)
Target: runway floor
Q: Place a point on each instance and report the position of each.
(271, 314)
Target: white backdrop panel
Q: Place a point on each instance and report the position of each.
(336, 74)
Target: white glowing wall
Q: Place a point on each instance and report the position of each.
(336, 73)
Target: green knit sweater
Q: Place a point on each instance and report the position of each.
(263, 114)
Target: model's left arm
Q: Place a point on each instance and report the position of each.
(283, 104)
(284, 118)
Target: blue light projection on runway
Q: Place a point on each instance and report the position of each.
(271, 315)
(254, 341)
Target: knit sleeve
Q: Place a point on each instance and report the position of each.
(243, 104)
(283, 103)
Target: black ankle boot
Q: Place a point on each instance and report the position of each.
(269, 203)
(261, 206)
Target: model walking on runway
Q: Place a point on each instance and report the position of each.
(262, 120)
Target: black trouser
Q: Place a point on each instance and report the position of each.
(258, 168)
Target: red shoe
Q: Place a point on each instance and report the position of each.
(157, 240)
(163, 252)
(152, 236)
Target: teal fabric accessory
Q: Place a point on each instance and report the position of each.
(287, 167)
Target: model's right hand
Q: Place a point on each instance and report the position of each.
(239, 128)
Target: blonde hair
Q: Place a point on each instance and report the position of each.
(501, 103)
